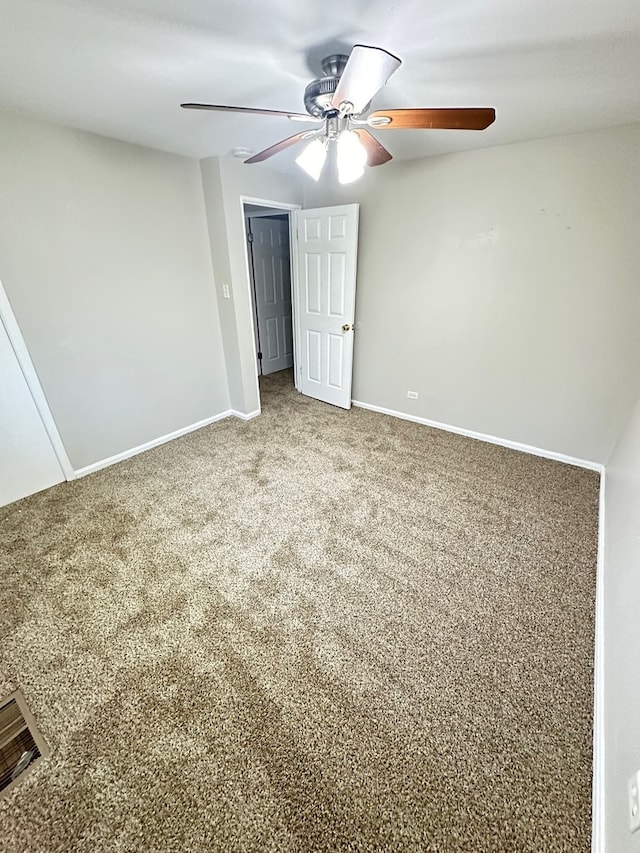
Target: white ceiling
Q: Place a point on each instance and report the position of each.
(122, 67)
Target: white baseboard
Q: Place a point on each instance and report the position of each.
(163, 439)
(244, 416)
(491, 439)
(597, 797)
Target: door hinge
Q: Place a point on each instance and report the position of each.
(250, 236)
(260, 356)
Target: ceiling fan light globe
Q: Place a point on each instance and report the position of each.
(312, 158)
(351, 157)
(350, 175)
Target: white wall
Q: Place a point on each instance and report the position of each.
(225, 214)
(502, 285)
(622, 634)
(105, 258)
(217, 229)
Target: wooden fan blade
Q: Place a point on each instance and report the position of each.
(366, 72)
(376, 154)
(452, 118)
(279, 146)
(252, 111)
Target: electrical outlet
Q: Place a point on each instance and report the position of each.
(412, 395)
(225, 291)
(634, 802)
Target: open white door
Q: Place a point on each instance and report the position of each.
(325, 294)
(28, 460)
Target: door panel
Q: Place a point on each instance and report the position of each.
(272, 280)
(312, 282)
(336, 356)
(272, 339)
(314, 350)
(337, 275)
(326, 290)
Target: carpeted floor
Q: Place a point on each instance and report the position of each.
(316, 631)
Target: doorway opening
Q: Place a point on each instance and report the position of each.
(268, 243)
(318, 299)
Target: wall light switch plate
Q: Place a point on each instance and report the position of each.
(225, 291)
(634, 802)
(412, 395)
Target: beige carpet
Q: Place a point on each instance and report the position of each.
(316, 631)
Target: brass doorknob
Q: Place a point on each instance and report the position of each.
(346, 327)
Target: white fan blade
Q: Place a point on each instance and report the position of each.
(365, 73)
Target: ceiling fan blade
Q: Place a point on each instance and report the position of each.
(449, 118)
(252, 111)
(366, 72)
(376, 154)
(280, 146)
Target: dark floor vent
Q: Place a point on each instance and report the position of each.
(21, 744)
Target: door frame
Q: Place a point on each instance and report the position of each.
(8, 320)
(285, 207)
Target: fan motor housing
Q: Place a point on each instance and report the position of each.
(318, 95)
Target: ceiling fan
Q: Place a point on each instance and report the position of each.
(338, 101)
